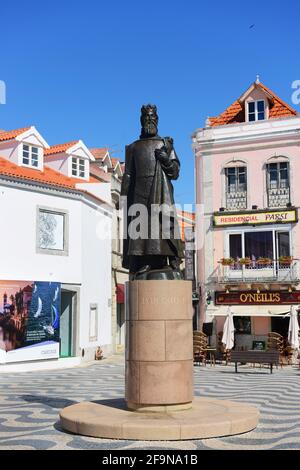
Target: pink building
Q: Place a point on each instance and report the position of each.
(247, 162)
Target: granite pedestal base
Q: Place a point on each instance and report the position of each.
(206, 418)
(159, 401)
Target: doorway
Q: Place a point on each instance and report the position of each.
(66, 324)
(280, 325)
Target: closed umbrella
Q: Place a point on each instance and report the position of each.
(293, 328)
(228, 331)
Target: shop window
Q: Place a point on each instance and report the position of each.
(242, 325)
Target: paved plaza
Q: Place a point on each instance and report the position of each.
(30, 403)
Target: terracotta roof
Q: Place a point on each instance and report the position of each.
(99, 153)
(7, 135)
(48, 176)
(114, 161)
(235, 112)
(183, 223)
(60, 148)
(99, 173)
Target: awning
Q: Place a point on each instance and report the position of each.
(120, 291)
(251, 311)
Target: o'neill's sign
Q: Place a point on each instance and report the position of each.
(257, 298)
(255, 218)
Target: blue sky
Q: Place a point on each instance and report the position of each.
(83, 69)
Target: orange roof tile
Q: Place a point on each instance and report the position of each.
(235, 112)
(7, 135)
(59, 148)
(182, 217)
(99, 153)
(48, 176)
(99, 173)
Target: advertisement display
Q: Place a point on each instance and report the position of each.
(29, 320)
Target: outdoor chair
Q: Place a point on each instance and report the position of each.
(222, 353)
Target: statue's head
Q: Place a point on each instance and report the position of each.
(149, 120)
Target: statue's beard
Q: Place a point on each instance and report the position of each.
(149, 129)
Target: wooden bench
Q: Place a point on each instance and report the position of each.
(255, 357)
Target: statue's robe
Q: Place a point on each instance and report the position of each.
(147, 181)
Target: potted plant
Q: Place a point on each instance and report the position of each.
(245, 261)
(287, 260)
(227, 261)
(264, 261)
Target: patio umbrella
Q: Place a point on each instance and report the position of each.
(293, 337)
(228, 331)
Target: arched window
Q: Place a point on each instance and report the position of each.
(236, 185)
(278, 181)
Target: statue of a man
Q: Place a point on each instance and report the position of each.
(151, 163)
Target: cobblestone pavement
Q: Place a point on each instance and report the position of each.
(30, 402)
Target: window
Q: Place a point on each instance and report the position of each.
(236, 187)
(259, 244)
(242, 325)
(52, 226)
(93, 323)
(256, 110)
(30, 156)
(78, 167)
(278, 184)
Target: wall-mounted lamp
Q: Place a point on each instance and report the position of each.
(208, 298)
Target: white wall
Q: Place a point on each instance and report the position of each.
(96, 267)
(89, 260)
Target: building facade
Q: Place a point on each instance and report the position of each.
(247, 161)
(107, 168)
(55, 248)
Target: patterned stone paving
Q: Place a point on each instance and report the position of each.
(30, 402)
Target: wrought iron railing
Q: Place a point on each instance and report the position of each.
(274, 270)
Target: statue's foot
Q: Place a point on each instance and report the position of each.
(143, 269)
(175, 264)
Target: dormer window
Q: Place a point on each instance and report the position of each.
(256, 110)
(78, 167)
(30, 156)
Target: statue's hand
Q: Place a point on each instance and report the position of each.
(162, 155)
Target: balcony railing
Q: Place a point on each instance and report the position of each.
(278, 197)
(236, 200)
(273, 271)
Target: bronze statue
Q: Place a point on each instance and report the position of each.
(151, 163)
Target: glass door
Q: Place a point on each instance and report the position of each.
(282, 244)
(65, 327)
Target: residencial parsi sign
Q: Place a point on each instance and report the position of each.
(255, 218)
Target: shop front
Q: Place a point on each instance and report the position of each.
(255, 314)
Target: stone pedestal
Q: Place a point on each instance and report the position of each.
(159, 345)
(159, 377)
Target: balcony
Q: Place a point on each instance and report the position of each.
(236, 200)
(274, 271)
(278, 197)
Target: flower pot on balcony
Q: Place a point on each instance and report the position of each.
(285, 260)
(227, 261)
(264, 262)
(245, 261)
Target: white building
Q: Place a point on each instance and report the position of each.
(56, 226)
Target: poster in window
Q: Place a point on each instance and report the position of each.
(29, 320)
